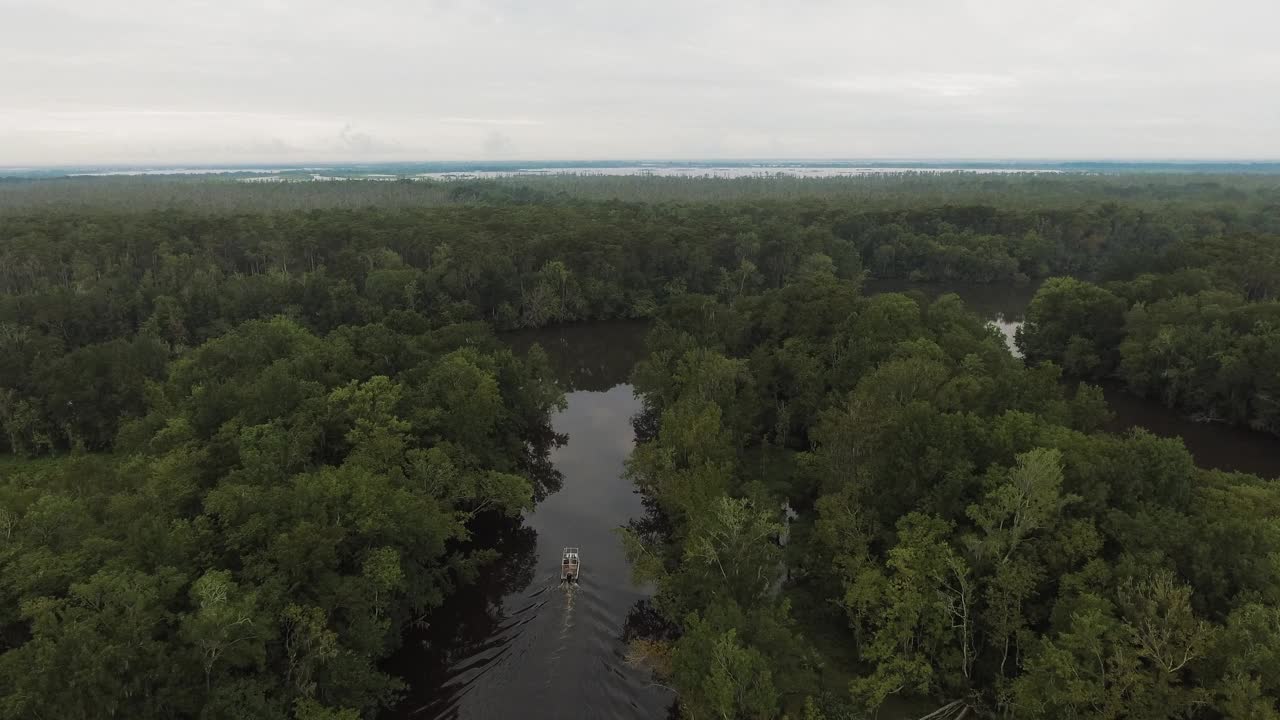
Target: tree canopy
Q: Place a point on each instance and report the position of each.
(250, 432)
(855, 514)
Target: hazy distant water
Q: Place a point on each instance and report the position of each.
(713, 171)
(809, 168)
(180, 171)
(481, 171)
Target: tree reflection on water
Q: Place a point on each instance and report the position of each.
(471, 618)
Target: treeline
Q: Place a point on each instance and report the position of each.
(1157, 192)
(864, 504)
(1200, 333)
(92, 305)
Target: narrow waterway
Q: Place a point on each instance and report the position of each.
(523, 645)
(516, 644)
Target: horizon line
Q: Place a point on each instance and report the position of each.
(304, 164)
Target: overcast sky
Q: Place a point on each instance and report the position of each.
(237, 81)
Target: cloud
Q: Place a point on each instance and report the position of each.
(517, 121)
(497, 144)
(192, 80)
(943, 85)
(361, 144)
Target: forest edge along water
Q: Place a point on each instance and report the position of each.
(1213, 445)
(518, 644)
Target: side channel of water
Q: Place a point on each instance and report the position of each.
(1213, 445)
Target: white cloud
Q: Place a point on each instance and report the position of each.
(246, 80)
(925, 85)
(489, 121)
(498, 145)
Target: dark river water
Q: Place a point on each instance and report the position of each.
(518, 645)
(521, 645)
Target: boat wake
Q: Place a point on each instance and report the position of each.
(560, 654)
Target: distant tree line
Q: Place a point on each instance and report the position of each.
(1222, 192)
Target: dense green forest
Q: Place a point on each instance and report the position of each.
(1200, 332)
(285, 504)
(964, 536)
(93, 304)
(248, 431)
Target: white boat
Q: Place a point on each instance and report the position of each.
(570, 565)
